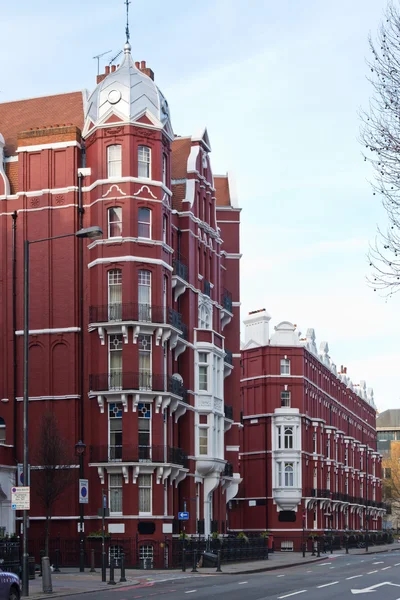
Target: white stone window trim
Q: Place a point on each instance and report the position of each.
(144, 161)
(114, 161)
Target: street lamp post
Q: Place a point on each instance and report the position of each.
(366, 500)
(88, 232)
(80, 448)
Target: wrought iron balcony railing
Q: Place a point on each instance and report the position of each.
(228, 410)
(206, 287)
(320, 493)
(228, 470)
(180, 268)
(226, 300)
(142, 381)
(228, 357)
(134, 311)
(137, 453)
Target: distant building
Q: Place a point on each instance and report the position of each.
(388, 435)
(308, 455)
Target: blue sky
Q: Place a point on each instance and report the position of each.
(278, 84)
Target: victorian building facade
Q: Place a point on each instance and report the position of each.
(308, 456)
(134, 344)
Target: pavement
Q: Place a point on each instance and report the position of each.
(71, 582)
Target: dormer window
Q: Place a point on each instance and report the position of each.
(114, 161)
(144, 162)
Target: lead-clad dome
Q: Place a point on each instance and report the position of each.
(129, 94)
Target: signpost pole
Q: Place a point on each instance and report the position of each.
(25, 550)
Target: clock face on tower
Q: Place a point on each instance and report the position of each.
(114, 96)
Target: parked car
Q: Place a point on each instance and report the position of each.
(10, 588)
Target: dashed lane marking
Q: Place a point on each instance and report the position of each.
(242, 582)
(291, 594)
(353, 577)
(397, 564)
(190, 591)
(379, 562)
(371, 572)
(323, 564)
(280, 576)
(385, 568)
(327, 584)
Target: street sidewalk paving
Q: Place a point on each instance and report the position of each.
(71, 582)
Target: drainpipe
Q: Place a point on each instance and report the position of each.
(14, 217)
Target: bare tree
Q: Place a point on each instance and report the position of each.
(54, 475)
(381, 139)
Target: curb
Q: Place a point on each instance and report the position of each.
(70, 592)
(272, 568)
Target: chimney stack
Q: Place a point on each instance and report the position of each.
(257, 327)
(113, 68)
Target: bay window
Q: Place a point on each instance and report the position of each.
(144, 162)
(114, 161)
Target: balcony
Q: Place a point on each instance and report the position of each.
(228, 410)
(143, 318)
(206, 287)
(226, 312)
(179, 276)
(320, 493)
(228, 470)
(228, 363)
(134, 454)
(142, 381)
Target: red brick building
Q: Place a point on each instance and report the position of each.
(308, 454)
(150, 379)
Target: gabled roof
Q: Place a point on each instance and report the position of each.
(22, 115)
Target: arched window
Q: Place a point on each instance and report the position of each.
(114, 161)
(115, 295)
(144, 162)
(2, 431)
(289, 475)
(144, 223)
(288, 438)
(115, 222)
(204, 317)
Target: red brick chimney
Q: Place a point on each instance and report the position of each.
(139, 65)
(103, 75)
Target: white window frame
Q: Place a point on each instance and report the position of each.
(114, 161)
(141, 477)
(285, 399)
(144, 161)
(164, 229)
(164, 168)
(203, 429)
(285, 366)
(144, 285)
(111, 349)
(205, 313)
(118, 212)
(204, 367)
(315, 442)
(146, 224)
(288, 437)
(114, 487)
(119, 407)
(289, 474)
(114, 280)
(3, 431)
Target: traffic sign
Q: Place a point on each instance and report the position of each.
(183, 516)
(20, 474)
(83, 491)
(20, 498)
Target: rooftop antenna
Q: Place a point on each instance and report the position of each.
(115, 58)
(128, 35)
(98, 57)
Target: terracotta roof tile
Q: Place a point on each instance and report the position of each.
(178, 194)
(22, 115)
(180, 154)
(222, 193)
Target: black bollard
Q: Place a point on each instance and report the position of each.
(122, 578)
(57, 562)
(219, 570)
(331, 545)
(81, 556)
(112, 580)
(318, 549)
(304, 549)
(184, 560)
(194, 570)
(92, 569)
(347, 544)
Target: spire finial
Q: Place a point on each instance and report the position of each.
(128, 35)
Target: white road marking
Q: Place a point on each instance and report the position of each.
(370, 572)
(397, 564)
(385, 568)
(280, 576)
(380, 562)
(323, 564)
(353, 577)
(347, 564)
(292, 594)
(327, 584)
(331, 567)
(308, 571)
(190, 591)
(243, 582)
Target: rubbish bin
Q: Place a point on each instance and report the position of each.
(31, 567)
(209, 559)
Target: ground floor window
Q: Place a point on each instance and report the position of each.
(146, 556)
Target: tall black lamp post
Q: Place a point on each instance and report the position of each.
(88, 232)
(80, 449)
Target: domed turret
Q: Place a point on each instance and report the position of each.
(130, 95)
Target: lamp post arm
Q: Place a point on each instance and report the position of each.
(50, 239)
